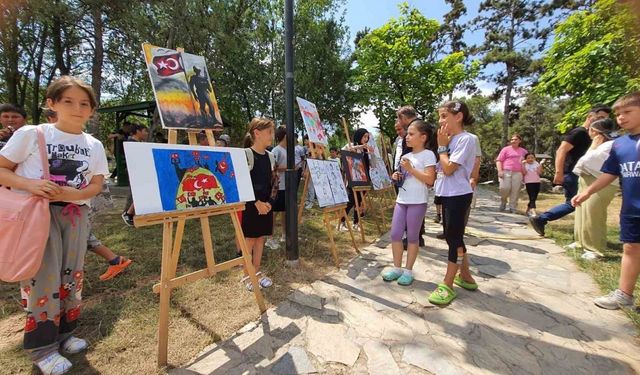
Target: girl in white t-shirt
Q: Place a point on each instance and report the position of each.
(77, 167)
(416, 173)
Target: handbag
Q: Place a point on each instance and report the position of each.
(24, 222)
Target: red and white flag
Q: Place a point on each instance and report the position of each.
(168, 65)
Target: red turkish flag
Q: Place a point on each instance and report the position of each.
(205, 181)
(168, 65)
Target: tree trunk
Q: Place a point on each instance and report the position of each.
(58, 48)
(97, 61)
(37, 74)
(10, 46)
(507, 102)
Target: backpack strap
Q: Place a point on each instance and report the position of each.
(249, 153)
(272, 159)
(43, 153)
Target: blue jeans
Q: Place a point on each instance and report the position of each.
(570, 186)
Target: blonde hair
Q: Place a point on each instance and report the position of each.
(257, 123)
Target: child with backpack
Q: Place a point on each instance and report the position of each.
(257, 218)
(78, 166)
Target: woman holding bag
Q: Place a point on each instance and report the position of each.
(77, 168)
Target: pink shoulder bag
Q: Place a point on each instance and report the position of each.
(24, 224)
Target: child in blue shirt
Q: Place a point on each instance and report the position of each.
(623, 163)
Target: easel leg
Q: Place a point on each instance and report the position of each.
(165, 293)
(343, 214)
(334, 252)
(357, 208)
(368, 199)
(208, 244)
(305, 188)
(248, 263)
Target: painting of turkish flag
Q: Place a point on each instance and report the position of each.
(165, 177)
(183, 90)
(168, 65)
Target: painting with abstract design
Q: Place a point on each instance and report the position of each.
(355, 169)
(312, 122)
(327, 182)
(182, 87)
(176, 177)
(379, 175)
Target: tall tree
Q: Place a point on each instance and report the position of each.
(511, 30)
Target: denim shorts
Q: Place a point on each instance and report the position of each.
(630, 229)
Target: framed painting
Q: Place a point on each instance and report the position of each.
(355, 169)
(182, 88)
(179, 177)
(327, 182)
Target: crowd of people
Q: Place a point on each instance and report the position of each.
(592, 162)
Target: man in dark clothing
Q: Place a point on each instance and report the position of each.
(574, 145)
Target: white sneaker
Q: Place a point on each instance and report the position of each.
(342, 227)
(54, 364)
(573, 246)
(614, 300)
(282, 239)
(272, 243)
(74, 345)
(356, 227)
(590, 255)
(308, 205)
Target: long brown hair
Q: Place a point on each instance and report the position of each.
(62, 84)
(258, 123)
(457, 106)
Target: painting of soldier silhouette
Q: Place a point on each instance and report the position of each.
(179, 177)
(183, 90)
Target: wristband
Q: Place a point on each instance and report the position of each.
(443, 150)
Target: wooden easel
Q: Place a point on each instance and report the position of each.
(383, 199)
(171, 246)
(317, 151)
(333, 213)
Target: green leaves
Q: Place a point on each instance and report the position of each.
(593, 59)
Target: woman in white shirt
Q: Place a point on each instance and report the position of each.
(590, 229)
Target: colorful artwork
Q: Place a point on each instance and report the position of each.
(182, 87)
(374, 144)
(355, 169)
(380, 178)
(327, 182)
(312, 121)
(176, 177)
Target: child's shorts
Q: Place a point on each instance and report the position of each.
(93, 242)
(629, 229)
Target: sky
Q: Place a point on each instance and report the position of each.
(375, 13)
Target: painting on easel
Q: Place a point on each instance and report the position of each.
(182, 88)
(355, 168)
(312, 122)
(329, 190)
(176, 177)
(379, 175)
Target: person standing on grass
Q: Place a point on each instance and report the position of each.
(417, 173)
(590, 228)
(280, 153)
(257, 219)
(623, 163)
(457, 153)
(52, 298)
(532, 171)
(509, 165)
(116, 263)
(574, 145)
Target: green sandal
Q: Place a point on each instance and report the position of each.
(463, 284)
(443, 295)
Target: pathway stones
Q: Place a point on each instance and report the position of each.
(533, 314)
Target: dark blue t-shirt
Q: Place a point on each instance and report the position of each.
(624, 162)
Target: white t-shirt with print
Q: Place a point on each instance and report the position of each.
(73, 158)
(280, 154)
(414, 191)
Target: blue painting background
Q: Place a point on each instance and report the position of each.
(168, 182)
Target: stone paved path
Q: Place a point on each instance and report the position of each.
(532, 315)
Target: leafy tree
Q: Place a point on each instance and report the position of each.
(399, 64)
(593, 59)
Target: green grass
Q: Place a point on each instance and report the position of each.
(120, 316)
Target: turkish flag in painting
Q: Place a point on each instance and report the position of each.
(168, 65)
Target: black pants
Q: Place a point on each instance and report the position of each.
(533, 188)
(352, 203)
(454, 213)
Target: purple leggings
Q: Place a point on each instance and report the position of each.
(409, 216)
